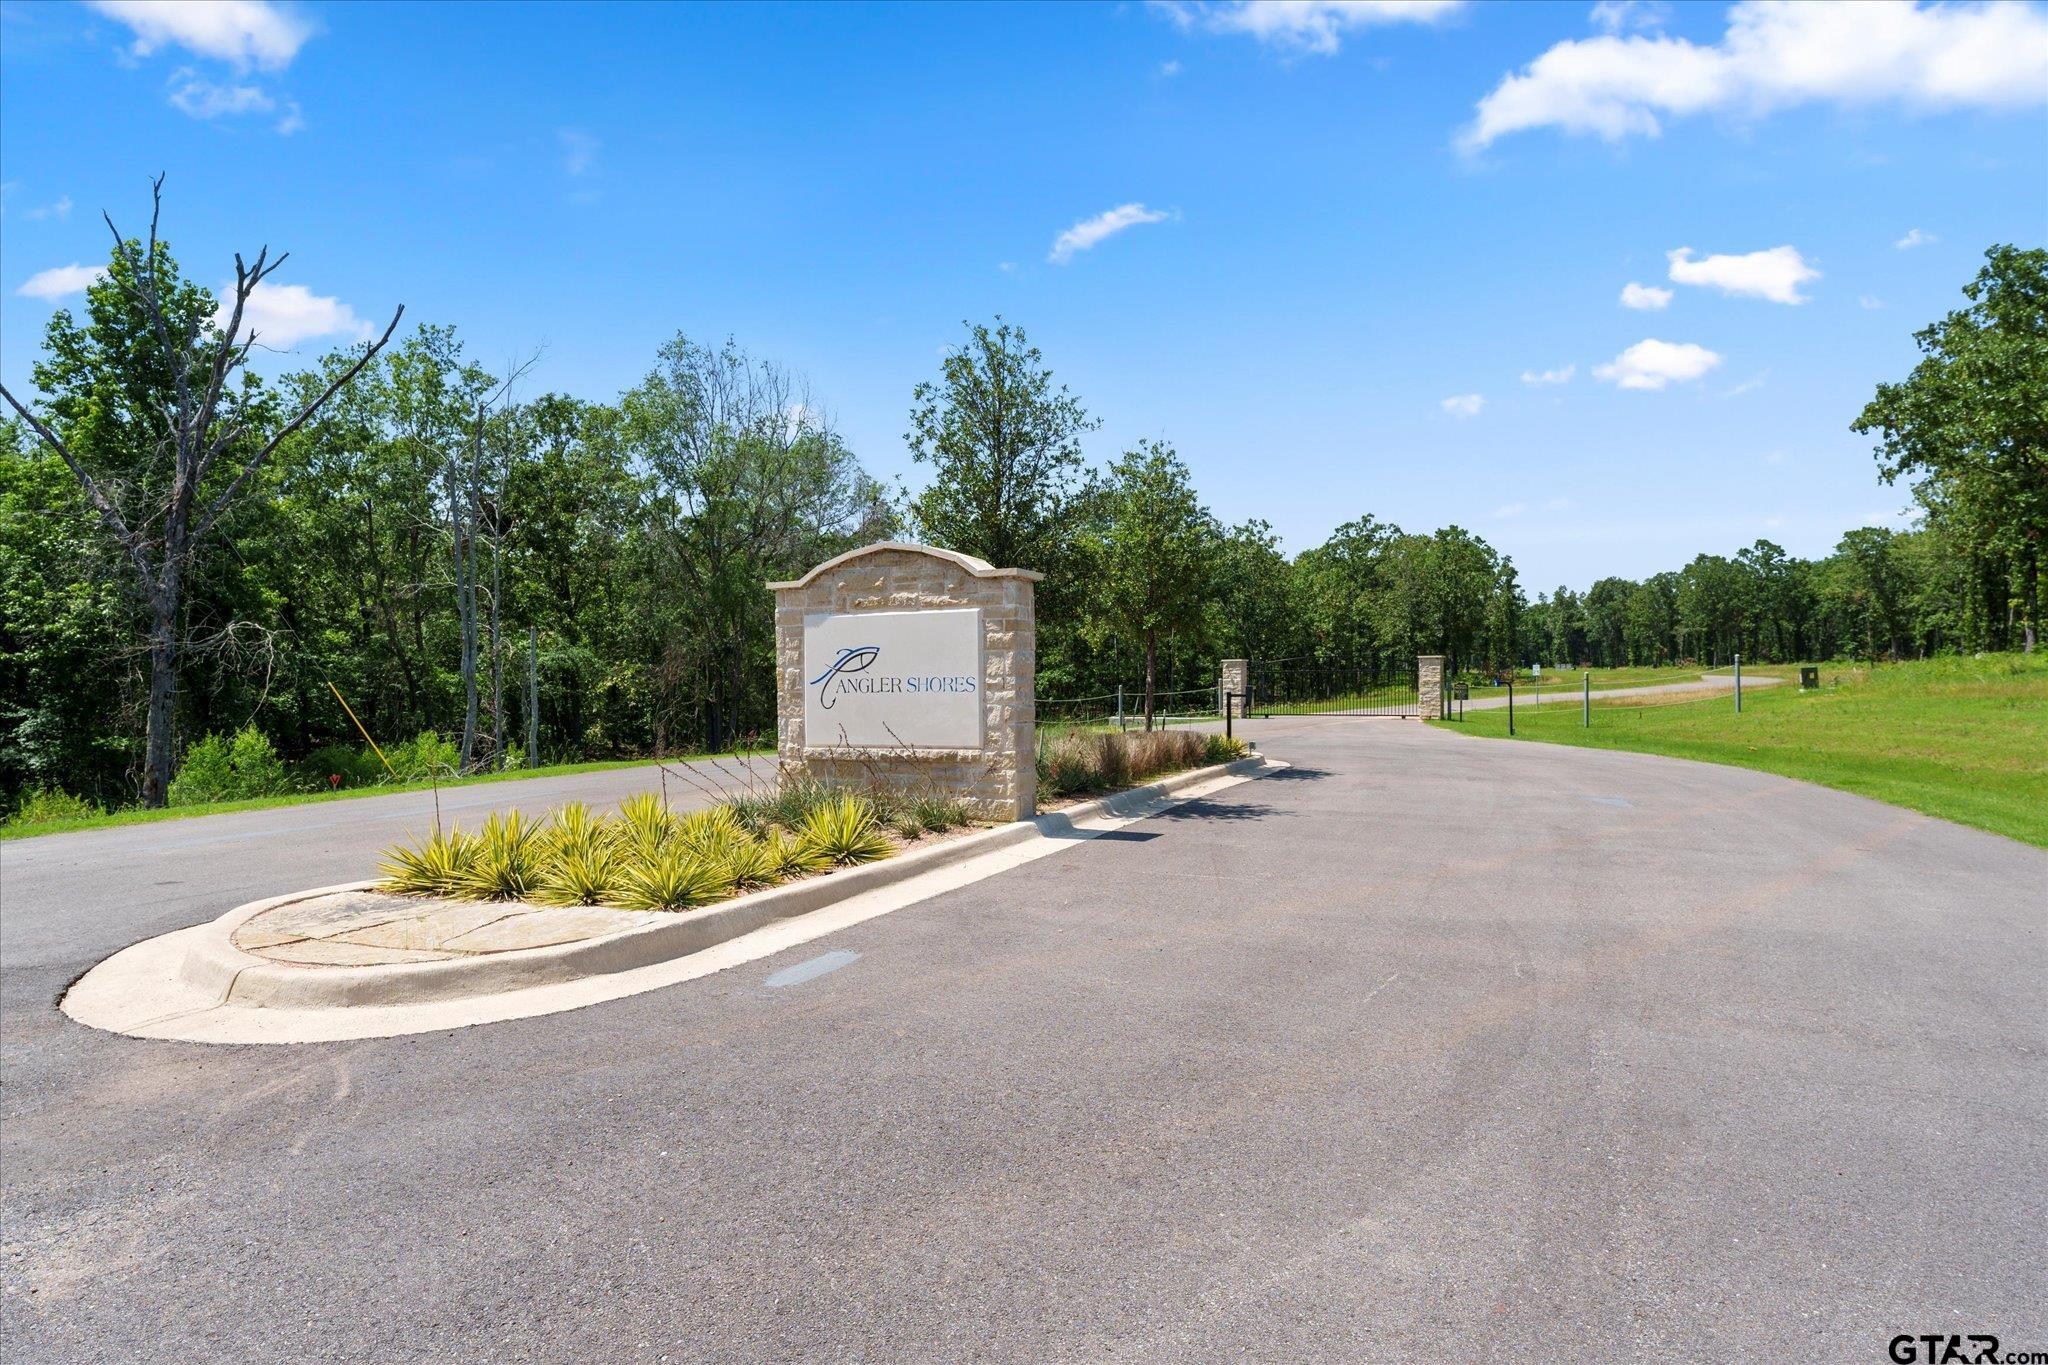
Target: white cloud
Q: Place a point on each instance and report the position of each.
(244, 33)
(1509, 509)
(1776, 54)
(283, 315)
(1755, 381)
(60, 210)
(1169, 68)
(1463, 404)
(1775, 274)
(579, 150)
(1558, 505)
(1613, 16)
(1089, 231)
(1870, 302)
(1561, 375)
(59, 281)
(1915, 237)
(1645, 296)
(193, 94)
(1774, 457)
(1305, 25)
(1652, 364)
(293, 120)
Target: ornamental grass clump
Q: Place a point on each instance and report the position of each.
(1078, 761)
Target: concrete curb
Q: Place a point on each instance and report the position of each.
(234, 977)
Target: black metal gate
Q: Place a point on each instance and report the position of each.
(1302, 687)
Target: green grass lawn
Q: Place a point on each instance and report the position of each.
(1964, 739)
(138, 816)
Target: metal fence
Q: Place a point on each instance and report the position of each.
(1124, 709)
(1292, 687)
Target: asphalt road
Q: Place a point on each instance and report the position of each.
(1427, 1047)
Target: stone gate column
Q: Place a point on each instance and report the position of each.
(1237, 678)
(913, 668)
(1429, 686)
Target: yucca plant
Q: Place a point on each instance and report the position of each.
(645, 824)
(791, 856)
(905, 825)
(673, 879)
(506, 864)
(844, 831)
(587, 873)
(750, 864)
(711, 831)
(433, 866)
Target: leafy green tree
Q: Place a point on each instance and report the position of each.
(1154, 555)
(1005, 451)
(1972, 418)
(747, 484)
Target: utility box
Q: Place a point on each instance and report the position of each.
(1809, 678)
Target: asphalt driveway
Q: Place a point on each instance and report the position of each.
(1426, 1047)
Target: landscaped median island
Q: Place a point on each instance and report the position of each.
(651, 858)
(524, 917)
(1963, 738)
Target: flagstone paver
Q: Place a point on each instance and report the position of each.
(371, 928)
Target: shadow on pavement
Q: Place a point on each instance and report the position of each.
(1219, 810)
(1298, 772)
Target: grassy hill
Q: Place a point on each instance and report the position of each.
(1962, 738)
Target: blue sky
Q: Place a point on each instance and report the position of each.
(1339, 225)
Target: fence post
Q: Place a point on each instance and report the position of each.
(1119, 708)
(1738, 684)
(1429, 685)
(1586, 715)
(1511, 703)
(533, 696)
(1229, 705)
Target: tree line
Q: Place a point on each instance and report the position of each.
(396, 532)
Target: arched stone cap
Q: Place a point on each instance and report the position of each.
(980, 568)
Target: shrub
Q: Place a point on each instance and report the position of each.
(355, 768)
(258, 771)
(844, 831)
(205, 775)
(47, 805)
(423, 756)
(221, 769)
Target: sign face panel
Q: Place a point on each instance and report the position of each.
(893, 679)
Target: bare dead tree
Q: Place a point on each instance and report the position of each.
(205, 419)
